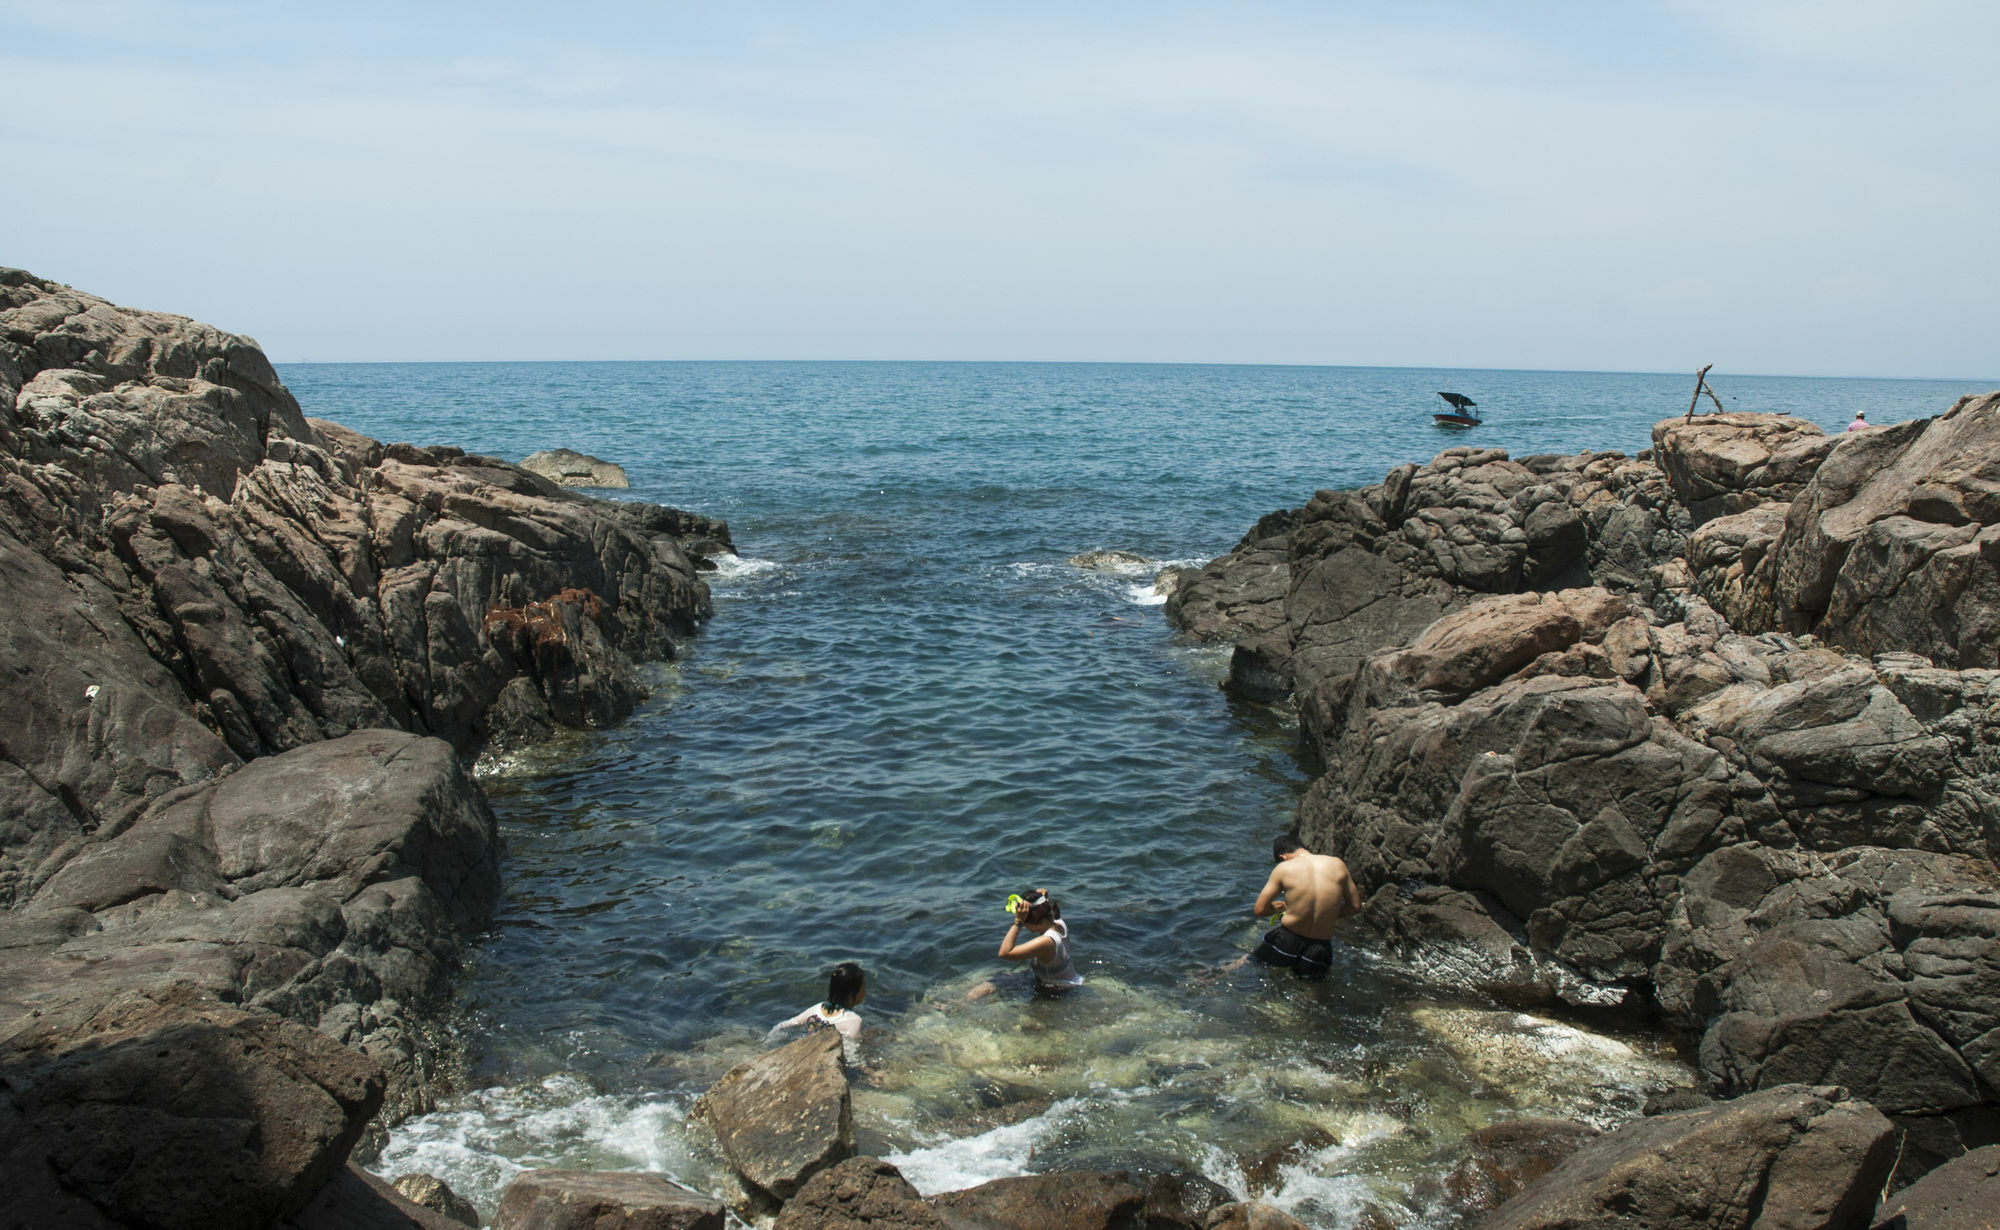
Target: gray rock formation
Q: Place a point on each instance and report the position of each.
(1791, 1156)
(569, 468)
(784, 1116)
(603, 1200)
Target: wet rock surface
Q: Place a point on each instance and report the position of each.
(784, 1116)
(434, 1194)
(603, 1200)
(247, 651)
(1791, 1156)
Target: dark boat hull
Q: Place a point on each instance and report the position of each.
(1454, 420)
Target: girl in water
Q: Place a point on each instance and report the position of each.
(846, 987)
(1047, 953)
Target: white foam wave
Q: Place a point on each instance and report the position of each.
(972, 1160)
(492, 1135)
(738, 567)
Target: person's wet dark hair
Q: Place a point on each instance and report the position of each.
(1041, 910)
(1285, 844)
(845, 985)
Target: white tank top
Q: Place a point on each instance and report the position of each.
(1058, 971)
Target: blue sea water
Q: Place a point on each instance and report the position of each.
(909, 705)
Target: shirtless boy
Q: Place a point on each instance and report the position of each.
(1313, 892)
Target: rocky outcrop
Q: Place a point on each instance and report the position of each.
(569, 468)
(246, 653)
(1635, 791)
(603, 1200)
(783, 1116)
(1793, 1156)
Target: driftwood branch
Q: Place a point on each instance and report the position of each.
(1700, 387)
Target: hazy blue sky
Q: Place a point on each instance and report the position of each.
(1772, 187)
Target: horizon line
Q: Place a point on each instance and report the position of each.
(1570, 371)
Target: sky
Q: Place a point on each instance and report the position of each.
(1772, 187)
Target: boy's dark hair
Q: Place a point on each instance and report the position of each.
(1285, 844)
(845, 984)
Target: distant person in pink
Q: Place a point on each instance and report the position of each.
(1860, 422)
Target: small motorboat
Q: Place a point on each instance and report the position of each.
(1464, 411)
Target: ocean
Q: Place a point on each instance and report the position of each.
(909, 705)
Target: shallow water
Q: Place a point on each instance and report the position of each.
(908, 706)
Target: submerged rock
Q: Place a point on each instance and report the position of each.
(1110, 561)
(784, 1116)
(603, 1200)
(1793, 1156)
(1500, 1161)
(569, 468)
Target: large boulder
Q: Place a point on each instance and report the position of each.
(1065, 1200)
(170, 1112)
(1794, 1156)
(603, 1200)
(784, 1116)
(861, 1193)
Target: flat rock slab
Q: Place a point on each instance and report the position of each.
(1960, 1195)
(1067, 1200)
(1794, 1156)
(592, 1200)
(569, 468)
(785, 1115)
